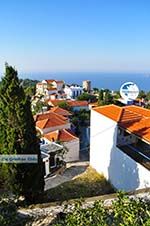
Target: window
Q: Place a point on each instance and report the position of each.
(119, 131)
(126, 134)
(74, 94)
(52, 159)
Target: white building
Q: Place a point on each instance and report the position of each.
(49, 87)
(120, 145)
(50, 91)
(72, 92)
(59, 85)
(51, 156)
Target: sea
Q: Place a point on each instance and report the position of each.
(112, 81)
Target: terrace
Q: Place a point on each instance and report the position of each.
(133, 146)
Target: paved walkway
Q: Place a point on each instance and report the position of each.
(72, 170)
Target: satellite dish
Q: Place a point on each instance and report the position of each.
(129, 91)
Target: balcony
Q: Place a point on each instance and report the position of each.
(134, 147)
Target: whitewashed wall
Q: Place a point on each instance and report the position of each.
(59, 86)
(122, 171)
(101, 141)
(73, 91)
(49, 92)
(127, 174)
(73, 150)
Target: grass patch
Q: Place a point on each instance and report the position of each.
(88, 184)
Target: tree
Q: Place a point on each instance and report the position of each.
(18, 136)
(38, 107)
(29, 91)
(100, 97)
(116, 95)
(64, 105)
(105, 97)
(142, 94)
(148, 95)
(87, 97)
(96, 90)
(29, 86)
(108, 98)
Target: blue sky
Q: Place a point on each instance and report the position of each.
(75, 35)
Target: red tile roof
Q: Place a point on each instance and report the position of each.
(133, 118)
(47, 123)
(52, 136)
(49, 81)
(60, 111)
(140, 128)
(51, 88)
(59, 82)
(64, 135)
(139, 110)
(111, 111)
(50, 119)
(49, 115)
(127, 115)
(78, 103)
(72, 103)
(42, 124)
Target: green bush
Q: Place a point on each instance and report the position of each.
(123, 212)
(9, 213)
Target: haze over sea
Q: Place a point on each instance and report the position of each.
(112, 81)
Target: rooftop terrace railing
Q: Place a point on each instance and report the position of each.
(137, 154)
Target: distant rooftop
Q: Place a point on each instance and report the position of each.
(60, 111)
(72, 103)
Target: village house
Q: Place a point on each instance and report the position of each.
(73, 104)
(79, 105)
(120, 145)
(68, 139)
(73, 91)
(54, 126)
(61, 111)
(50, 121)
(49, 88)
(51, 91)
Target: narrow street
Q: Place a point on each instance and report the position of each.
(72, 170)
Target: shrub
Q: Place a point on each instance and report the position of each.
(124, 211)
(9, 213)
